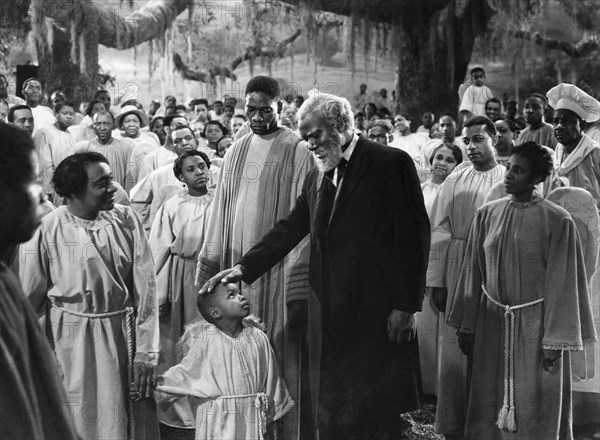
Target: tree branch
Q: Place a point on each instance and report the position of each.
(122, 25)
(252, 52)
(579, 50)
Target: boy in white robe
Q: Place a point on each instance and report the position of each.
(228, 384)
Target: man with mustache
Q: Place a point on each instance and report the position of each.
(369, 242)
(262, 175)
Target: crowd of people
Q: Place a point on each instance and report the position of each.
(388, 262)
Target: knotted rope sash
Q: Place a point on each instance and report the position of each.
(507, 418)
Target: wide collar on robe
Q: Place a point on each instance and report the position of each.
(565, 165)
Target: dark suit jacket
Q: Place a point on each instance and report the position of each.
(371, 256)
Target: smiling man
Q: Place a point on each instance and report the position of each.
(462, 193)
(262, 175)
(577, 155)
(367, 281)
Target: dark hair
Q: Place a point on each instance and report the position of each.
(178, 164)
(16, 167)
(204, 304)
(154, 121)
(88, 110)
(217, 123)
(372, 104)
(540, 97)
(70, 177)
(405, 115)
(168, 119)
(512, 124)
(477, 69)
(264, 84)
(181, 107)
(199, 101)
(487, 123)
(10, 116)
(496, 100)
(456, 153)
(98, 92)
(240, 115)
(358, 115)
(60, 105)
(384, 112)
(16, 171)
(450, 115)
(540, 160)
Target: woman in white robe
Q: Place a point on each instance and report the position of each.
(176, 238)
(443, 161)
(521, 307)
(89, 271)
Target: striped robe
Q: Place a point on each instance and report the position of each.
(259, 183)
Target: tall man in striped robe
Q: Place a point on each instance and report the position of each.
(262, 175)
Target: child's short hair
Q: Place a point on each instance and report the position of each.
(204, 304)
(475, 70)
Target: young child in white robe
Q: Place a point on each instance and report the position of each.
(227, 385)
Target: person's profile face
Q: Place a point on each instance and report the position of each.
(322, 140)
(518, 178)
(506, 137)
(99, 194)
(223, 146)
(3, 112)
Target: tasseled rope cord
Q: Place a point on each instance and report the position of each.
(128, 311)
(507, 418)
(261, 402)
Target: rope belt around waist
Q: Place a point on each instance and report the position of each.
(507, 418)
(128, 312)
(261, 403)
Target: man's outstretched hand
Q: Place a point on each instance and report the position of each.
(233, 275)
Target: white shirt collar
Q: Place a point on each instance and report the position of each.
(348, 153)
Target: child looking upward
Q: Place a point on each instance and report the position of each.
(227, 384)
